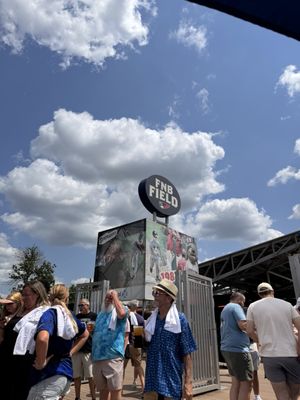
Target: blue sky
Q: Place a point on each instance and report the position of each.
(96, 96)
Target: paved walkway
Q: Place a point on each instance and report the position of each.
(131, 392)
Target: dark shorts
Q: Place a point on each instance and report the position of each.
(282, 369)
(239, 365)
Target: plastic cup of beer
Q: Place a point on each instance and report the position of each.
(90, 326)
(138, 336)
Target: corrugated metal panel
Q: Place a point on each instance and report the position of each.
(196, 301)
(94, 292)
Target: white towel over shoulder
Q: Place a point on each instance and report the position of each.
(26, 328)
(113, 321)
(133, 319)
(65, 328)
(172, 323)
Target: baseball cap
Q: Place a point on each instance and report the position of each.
(132, 304)
(264, 287)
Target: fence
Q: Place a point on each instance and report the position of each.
(195, 299)
(94, 292)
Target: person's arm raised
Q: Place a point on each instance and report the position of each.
(121, 312)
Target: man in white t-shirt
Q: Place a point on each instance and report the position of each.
(270, 323)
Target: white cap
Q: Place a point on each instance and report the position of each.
(264, 287)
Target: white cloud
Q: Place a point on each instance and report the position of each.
(90, 30)
(173, 108)
(285, 118)
(233, 219)
(296, 212)
(85, 172)
(7, 259)
(49, 205)
(80, 280)
(284, 175)
(190, 35)
(287, 173)
(203, 97)
(297, 147)
(290, 78)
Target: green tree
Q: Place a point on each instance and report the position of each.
(72, 293)
(32, 265)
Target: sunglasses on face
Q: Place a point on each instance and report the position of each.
(81, 305)
(157, 293)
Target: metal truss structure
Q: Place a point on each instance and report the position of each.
(245, 269)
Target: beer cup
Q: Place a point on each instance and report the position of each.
(90, 326)
(138, 336)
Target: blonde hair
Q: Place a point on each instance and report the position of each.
(58, 296)
(17, 298)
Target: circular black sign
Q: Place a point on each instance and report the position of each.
(159, 195)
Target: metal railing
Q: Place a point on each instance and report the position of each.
(195, 299)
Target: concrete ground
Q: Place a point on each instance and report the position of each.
(132, 392)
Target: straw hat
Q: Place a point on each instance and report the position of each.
(168, 287)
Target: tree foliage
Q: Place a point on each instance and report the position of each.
(32, 265)
(72, 293)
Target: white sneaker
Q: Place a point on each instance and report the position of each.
(257, 397)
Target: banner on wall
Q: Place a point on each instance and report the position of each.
(120, 259)
(168, 251)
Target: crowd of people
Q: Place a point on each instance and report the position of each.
(44, 346)
(267, 329)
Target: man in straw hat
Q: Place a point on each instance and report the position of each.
(171, 341)
(270, 323)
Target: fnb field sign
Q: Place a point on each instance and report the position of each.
(159, 195)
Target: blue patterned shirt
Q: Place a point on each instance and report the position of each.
(108, 344)
(165, 354)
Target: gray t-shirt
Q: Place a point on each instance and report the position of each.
(273, 320)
